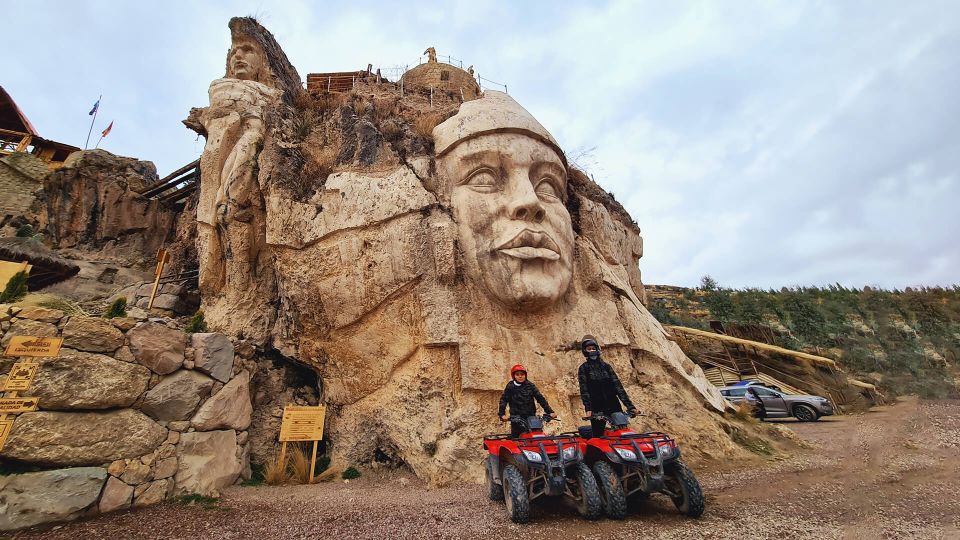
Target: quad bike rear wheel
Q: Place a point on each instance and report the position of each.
(515, 493)
(590, 504)
(681, 481)
(611, 490)
(805, 413)
(494, 491)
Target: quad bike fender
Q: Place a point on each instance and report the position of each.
(493, 466)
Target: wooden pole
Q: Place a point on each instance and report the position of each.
(162, 258)
(283, 455)
(313, 461)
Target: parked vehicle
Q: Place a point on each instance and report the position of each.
(806, 408)
(631, 464)
(535, 465)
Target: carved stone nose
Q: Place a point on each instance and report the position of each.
(525, 213)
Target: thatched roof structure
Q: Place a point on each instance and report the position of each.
(48, 267)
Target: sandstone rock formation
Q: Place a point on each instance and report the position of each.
(93, 205)
(208, 462)
(411, 274)
(59, 495)
(77, 380)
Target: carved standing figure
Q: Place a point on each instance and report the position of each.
(431, 55)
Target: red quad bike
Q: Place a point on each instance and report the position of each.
(628, 464)
(535, 465)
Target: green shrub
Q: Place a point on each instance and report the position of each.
(350, 474)
(25, 231)
(197, 324)
(117, 309)
(16, 288)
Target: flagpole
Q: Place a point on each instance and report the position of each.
(98, 143)
(86, 144)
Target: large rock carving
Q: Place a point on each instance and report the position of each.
(411, 283)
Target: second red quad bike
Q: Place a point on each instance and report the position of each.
(535, 465)
(628, 463)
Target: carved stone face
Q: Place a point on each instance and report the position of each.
(507, 191)
(245, 62)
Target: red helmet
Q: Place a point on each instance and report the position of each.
(516, 368)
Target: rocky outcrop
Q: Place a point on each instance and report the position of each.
(41, 497)
(88, 438)
(176, 397)
(116, 495)
(213, 355)
(93, 204)
(27, 327)
(208, 462)
(91, 334)
(158, 347)
(78, 380)
(229, 408)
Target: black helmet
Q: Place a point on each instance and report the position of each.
(586, 341)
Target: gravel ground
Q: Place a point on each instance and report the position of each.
(890, 473)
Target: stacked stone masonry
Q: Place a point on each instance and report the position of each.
(132, 411)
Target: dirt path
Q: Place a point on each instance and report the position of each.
(891, 473)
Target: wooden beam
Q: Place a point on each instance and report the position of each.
(819, 360)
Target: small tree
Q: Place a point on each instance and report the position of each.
(707, 283)
(117, 309)
(197, 324)
(25, 231)
(16, 288)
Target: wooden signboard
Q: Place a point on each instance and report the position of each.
(21, 376)
(18, 405)
(301, 424)
(5, 427)
(34, 346)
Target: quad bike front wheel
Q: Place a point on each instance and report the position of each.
(494, 492)
(611, 490)
(685, 490)
(590, 504)
(515, 493)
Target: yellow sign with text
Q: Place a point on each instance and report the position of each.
(18, 405)
(302, 423)
(21, 376)
(34, 346)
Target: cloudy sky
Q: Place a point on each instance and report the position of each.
(766, 144)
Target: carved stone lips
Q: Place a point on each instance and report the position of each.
(530, 244)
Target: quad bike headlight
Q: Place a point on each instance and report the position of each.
(666, 450)
(626, 454)
(570, 452)
(532, 456)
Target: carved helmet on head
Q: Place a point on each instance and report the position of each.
(516, 368)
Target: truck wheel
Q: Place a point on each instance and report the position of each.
(515, 493)
(614, 500)
(805, 413)
(494, 491)
(590, 505)
(680, 479)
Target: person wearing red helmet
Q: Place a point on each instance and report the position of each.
(520, 395)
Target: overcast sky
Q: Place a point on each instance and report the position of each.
(766, 144)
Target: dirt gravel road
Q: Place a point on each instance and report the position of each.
(890, 473)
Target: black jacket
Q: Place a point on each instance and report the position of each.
(520, 397)
(600, 388)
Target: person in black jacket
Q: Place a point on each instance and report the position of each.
(600, 388)
(520, 395)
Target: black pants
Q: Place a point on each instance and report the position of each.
(598, 427)
(516, 428)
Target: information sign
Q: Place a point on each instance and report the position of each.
(34, 346)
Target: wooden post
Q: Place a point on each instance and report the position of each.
(283, 455)
(431, 96)
(313, 461)
(162, 258)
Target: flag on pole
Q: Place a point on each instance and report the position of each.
(107, 131)
(94, 109)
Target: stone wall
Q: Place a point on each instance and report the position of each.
(443, 77)
(131, 412)
(21, 187)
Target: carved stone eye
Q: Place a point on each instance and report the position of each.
(482, 180)
(547, 189)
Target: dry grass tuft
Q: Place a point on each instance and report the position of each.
(744, 411)
(423, 125)
(299, 464)
(274, 474)
(384, 108)
(53, 301)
